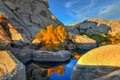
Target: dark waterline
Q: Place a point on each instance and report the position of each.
(67, 72)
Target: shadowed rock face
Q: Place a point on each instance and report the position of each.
(28, 16)
(99, 64)
(4, 38)
(95, 73)
(83, 42)
(2, 18)
(96, 26)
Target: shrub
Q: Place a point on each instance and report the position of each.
(51, 38)
(83, 33)
(115, 39)
(102, 38)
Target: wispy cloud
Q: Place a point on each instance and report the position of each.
(111, 12)
(82, 9)
(71, 3)
(78, 16)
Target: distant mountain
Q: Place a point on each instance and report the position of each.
(74, 24)
(96, 26)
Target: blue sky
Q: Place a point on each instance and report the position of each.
(71, 11)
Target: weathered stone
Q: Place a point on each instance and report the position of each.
(96, 26)
(35, 73)
(19, 44)
(15, 35)
(35, 46)
(4, 46)
(83, 42)
(3, 35)
(95, 73)
(100, 56)
(11, 5)
(15, 69)
(24, 55)
(25, 15)
(34, 20)
(68, 45)
(50, 56)
(73, 30)
(97, 64)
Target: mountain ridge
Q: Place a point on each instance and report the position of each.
(96, 26)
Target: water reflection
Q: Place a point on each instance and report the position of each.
(50, 64)
(77, 56)
(58, 69)
(67, 70)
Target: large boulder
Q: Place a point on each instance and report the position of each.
(99, 64)
(50, 56)
(83, 42)
(10, 67)
(28, 16)
(34, 72)
(26, 55)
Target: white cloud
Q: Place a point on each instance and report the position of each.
(71, 3)
(78, 16)
(110, 12)
(90, 5)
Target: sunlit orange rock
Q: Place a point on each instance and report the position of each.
(108, 55)
(36, 41)
(53, 17)
(3, 35)
(82, 39)
(72, 25)
(15, 35)
(6, 63)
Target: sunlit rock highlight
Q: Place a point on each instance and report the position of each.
(102, 56)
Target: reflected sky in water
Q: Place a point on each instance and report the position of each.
(67, 72)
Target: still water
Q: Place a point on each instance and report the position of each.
(68, 68)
